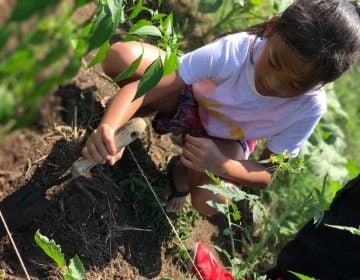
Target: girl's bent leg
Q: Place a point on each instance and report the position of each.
(199, 196)
(122, 54)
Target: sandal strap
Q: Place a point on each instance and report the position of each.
(174, 191)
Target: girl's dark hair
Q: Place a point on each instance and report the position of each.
(325, 31)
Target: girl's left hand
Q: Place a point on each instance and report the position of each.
(202, 154)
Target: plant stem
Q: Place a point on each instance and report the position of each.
(233, 252)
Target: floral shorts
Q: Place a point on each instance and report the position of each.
(187, 121)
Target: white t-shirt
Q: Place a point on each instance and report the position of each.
(222, 76)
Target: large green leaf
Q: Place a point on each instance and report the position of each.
(115, 7)
(51, 249)
(128, 72)
(151, 77)
(102, 29)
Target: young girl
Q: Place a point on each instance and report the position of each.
(262, 83)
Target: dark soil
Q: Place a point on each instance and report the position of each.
(109, 218)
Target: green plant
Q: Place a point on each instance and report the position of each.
(42, 46)
(279, 164)
(72, 271)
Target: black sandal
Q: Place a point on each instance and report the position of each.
(174, 191)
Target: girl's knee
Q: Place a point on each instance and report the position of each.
(199, 202)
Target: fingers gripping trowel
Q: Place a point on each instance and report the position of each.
(29, 201)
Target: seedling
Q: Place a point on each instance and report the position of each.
(72, 271)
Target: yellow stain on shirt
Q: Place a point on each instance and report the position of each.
(211, 108)
(236, 132)
(208, 104)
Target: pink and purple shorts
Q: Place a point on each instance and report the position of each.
(187, 121)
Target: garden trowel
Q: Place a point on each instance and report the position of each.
(29, 201)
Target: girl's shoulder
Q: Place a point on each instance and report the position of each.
(239, 38)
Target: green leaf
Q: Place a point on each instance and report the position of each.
(168, 25)
(44, 87)
(148, 30)
(25, 9)
(209, 6)
(257, 212)
(136, 10)
(54, 55)
(283, 4)
(102, 29)
(79, 3)
(218, 206)
(115, 7)
(301, 276)
(170, 63)
(51, 249)
(7, 104)
(227, 231)
(76, 269)
(214, 178)
(5, 33)
(235, 214)
(352, 230)
(100, 56)
(227, 191)
(128, 72)
(151, 77)
(71, 69)
(20, 60)
(352, 168)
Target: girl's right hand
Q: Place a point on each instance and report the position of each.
(100, 146)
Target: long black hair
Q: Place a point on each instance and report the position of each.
(324, 32)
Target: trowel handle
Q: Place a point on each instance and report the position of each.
(124, 136)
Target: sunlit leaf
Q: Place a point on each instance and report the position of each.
(136, 10)
(151, 77)
(115, 7)
(218, 206)
(352, 230)
(50, 248)
(148, 30)
(301, 276)
(170, 63)
(214, 178)
(100, 56)
(102, 29)
(227, 191)
(128, 72)
(76, 268)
